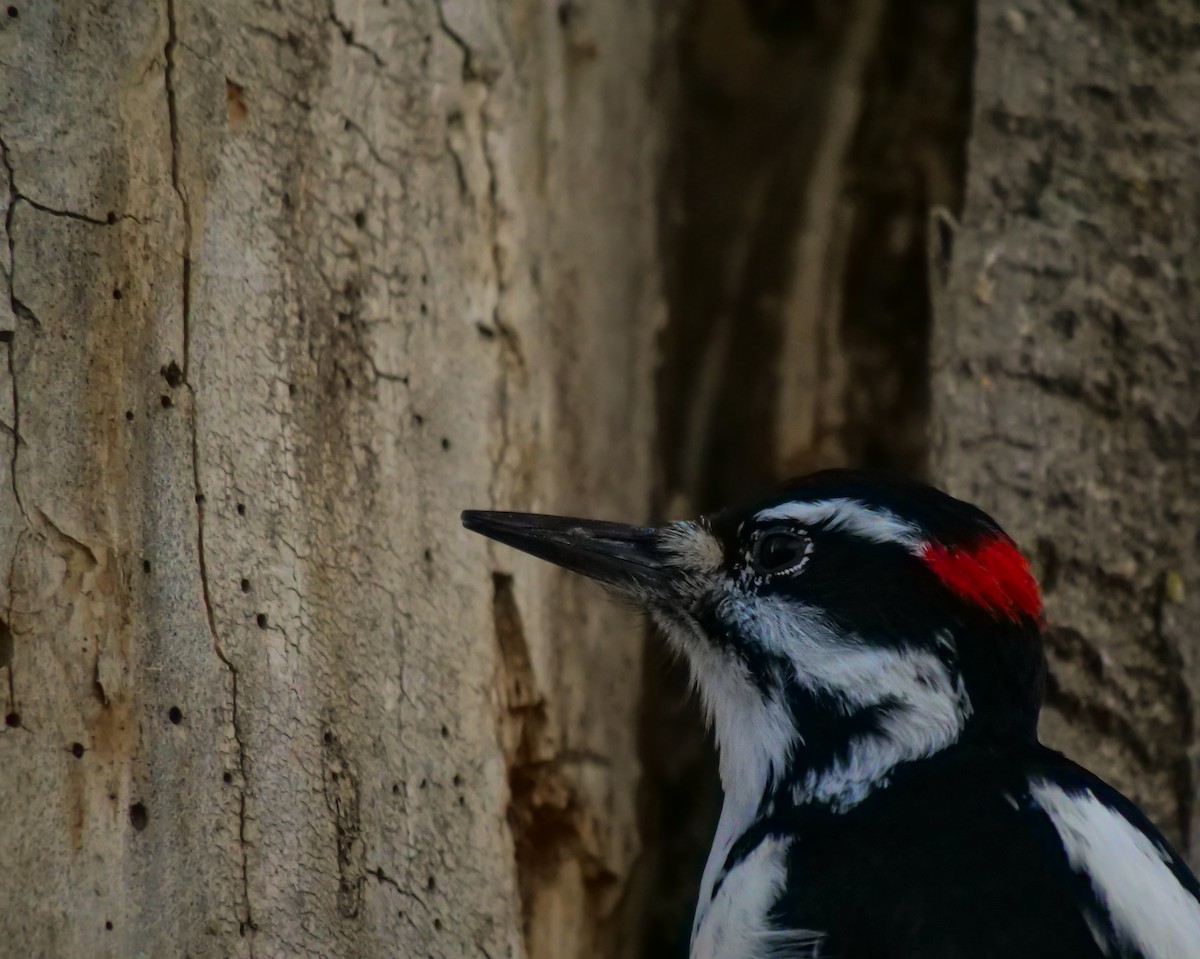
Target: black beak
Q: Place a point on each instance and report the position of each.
(624, 557)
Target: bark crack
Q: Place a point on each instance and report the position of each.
(6, 635)
(512, 357)
(15, 196)
(7, 336)
(111, 220)
(507, 338)
(15, 429)
(380, 876)
(384, 879)
(468, 66)
(348, 37)
(353, 127)
(176, 178)
(246, 924)
(8, 217)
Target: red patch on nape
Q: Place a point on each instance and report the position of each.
(991, 573)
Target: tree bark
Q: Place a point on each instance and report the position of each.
(284, 290)
(1066, 366)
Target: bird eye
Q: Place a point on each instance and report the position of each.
(780, 552)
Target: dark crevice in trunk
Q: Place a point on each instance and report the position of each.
(908, 158)
(799, 128)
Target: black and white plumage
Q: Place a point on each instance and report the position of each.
(869, 654)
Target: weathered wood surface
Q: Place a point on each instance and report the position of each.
(284, 289)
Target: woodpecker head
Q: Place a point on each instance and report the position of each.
(835, 629)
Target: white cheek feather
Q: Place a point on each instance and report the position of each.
(931, 706)
(930, 716)
(755, 738)
(875, 524)
(1151, 912)
(756, 733)
(736, 923)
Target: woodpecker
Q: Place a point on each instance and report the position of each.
(869, 655)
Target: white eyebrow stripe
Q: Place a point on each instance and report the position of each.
(852, 516)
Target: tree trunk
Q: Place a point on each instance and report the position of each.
(285, 289)
(1066, 367)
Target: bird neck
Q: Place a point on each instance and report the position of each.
(808, 742)
(847, 756)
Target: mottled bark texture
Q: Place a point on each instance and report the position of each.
(285, 287)
(1066, 365)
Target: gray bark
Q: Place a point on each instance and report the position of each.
(1067, 366)
(284, 290)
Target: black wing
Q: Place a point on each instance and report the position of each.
(1139, 897)
(952, 860)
